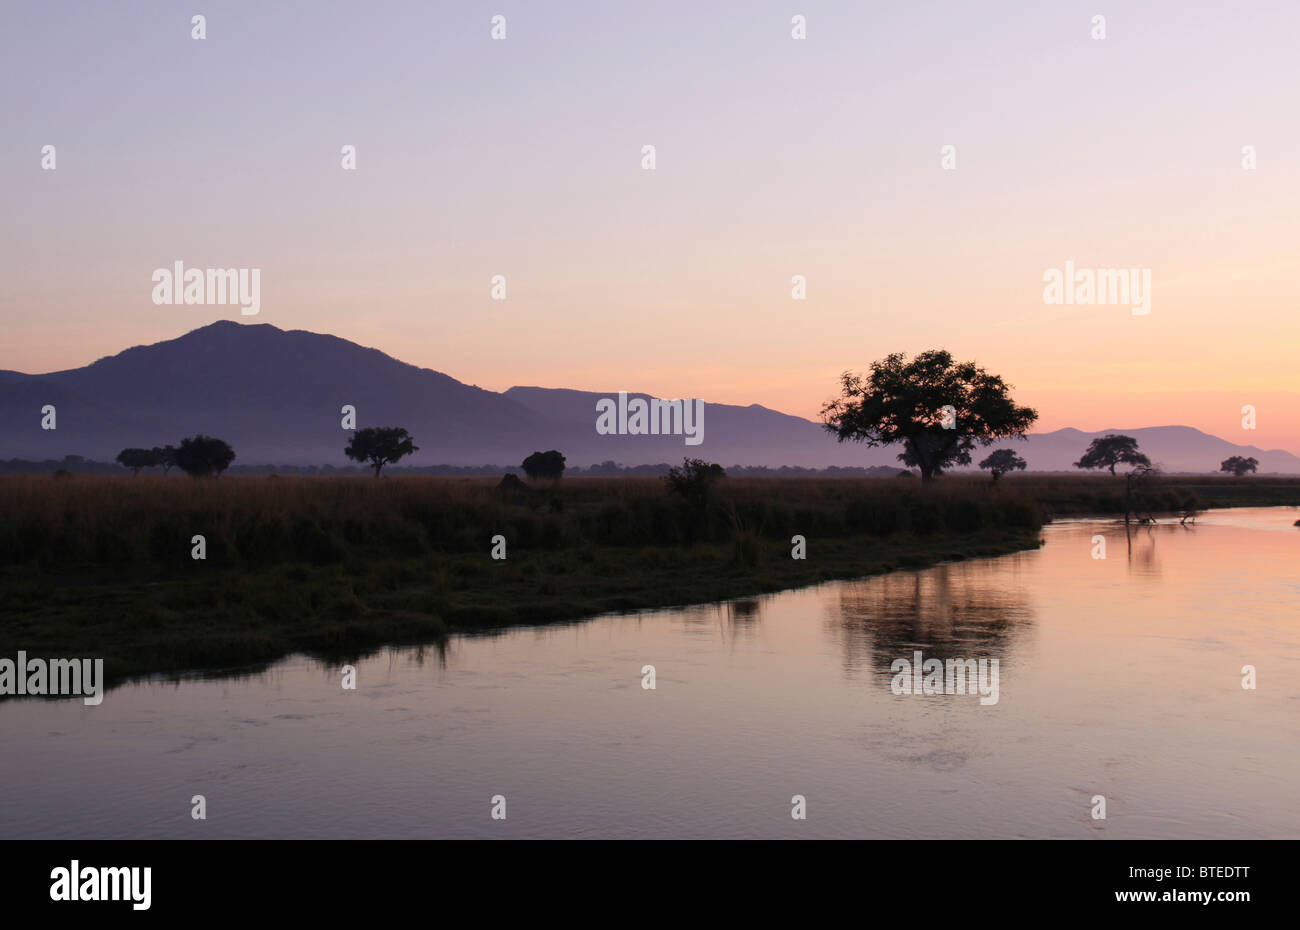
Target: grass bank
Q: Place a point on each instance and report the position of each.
(103, 566)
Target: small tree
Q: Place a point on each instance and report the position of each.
(166, 457)
(1111, 450)
(1001, 461)
(199, 456)
(544, 465)
(1139, 486)
(378, 446)
(1238, 466)
(136, 459)
(691, 483)
(692, 480)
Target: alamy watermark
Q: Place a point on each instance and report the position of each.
(955, 676)
(178, 285)
(90, 883)
(650, 417)
(1122, 287)
(53, 677)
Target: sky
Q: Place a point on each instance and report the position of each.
(774, 157)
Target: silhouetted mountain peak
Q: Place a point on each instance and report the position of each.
(277, 395)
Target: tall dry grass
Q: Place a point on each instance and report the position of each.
(118, 523)
(124, 522)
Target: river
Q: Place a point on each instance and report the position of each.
(1118, 678)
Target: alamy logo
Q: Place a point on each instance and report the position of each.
(53, 677)
(1119, 286)
(87, 883)
(177, 285)
(652, 417)
(956, 676)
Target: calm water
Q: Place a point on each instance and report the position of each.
(1119, 677)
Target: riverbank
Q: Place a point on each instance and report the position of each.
(105, 567)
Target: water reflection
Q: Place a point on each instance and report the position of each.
(1140, 542)
(743, 612)
(962, 610)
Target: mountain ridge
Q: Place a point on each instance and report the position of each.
(276, 395)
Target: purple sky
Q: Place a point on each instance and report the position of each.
(775, 157)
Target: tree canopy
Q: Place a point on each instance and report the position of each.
(1238, 465)
(1001, 461)
(136, 459)
(1111, 450)
(937, 408)
(378, 446)
(544, 465)
(204, 455)
(166, 456)
(692, 480)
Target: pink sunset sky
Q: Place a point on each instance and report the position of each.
(774, 157)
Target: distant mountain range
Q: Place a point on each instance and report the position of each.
(276, 397)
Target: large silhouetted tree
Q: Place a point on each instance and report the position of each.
(378, 446)
(937, 408)
(203, 455)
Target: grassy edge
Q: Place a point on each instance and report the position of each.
(187, 640)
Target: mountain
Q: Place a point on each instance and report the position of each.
(1173, 448)
(276, 395)
(732, 435)
(755, 435)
